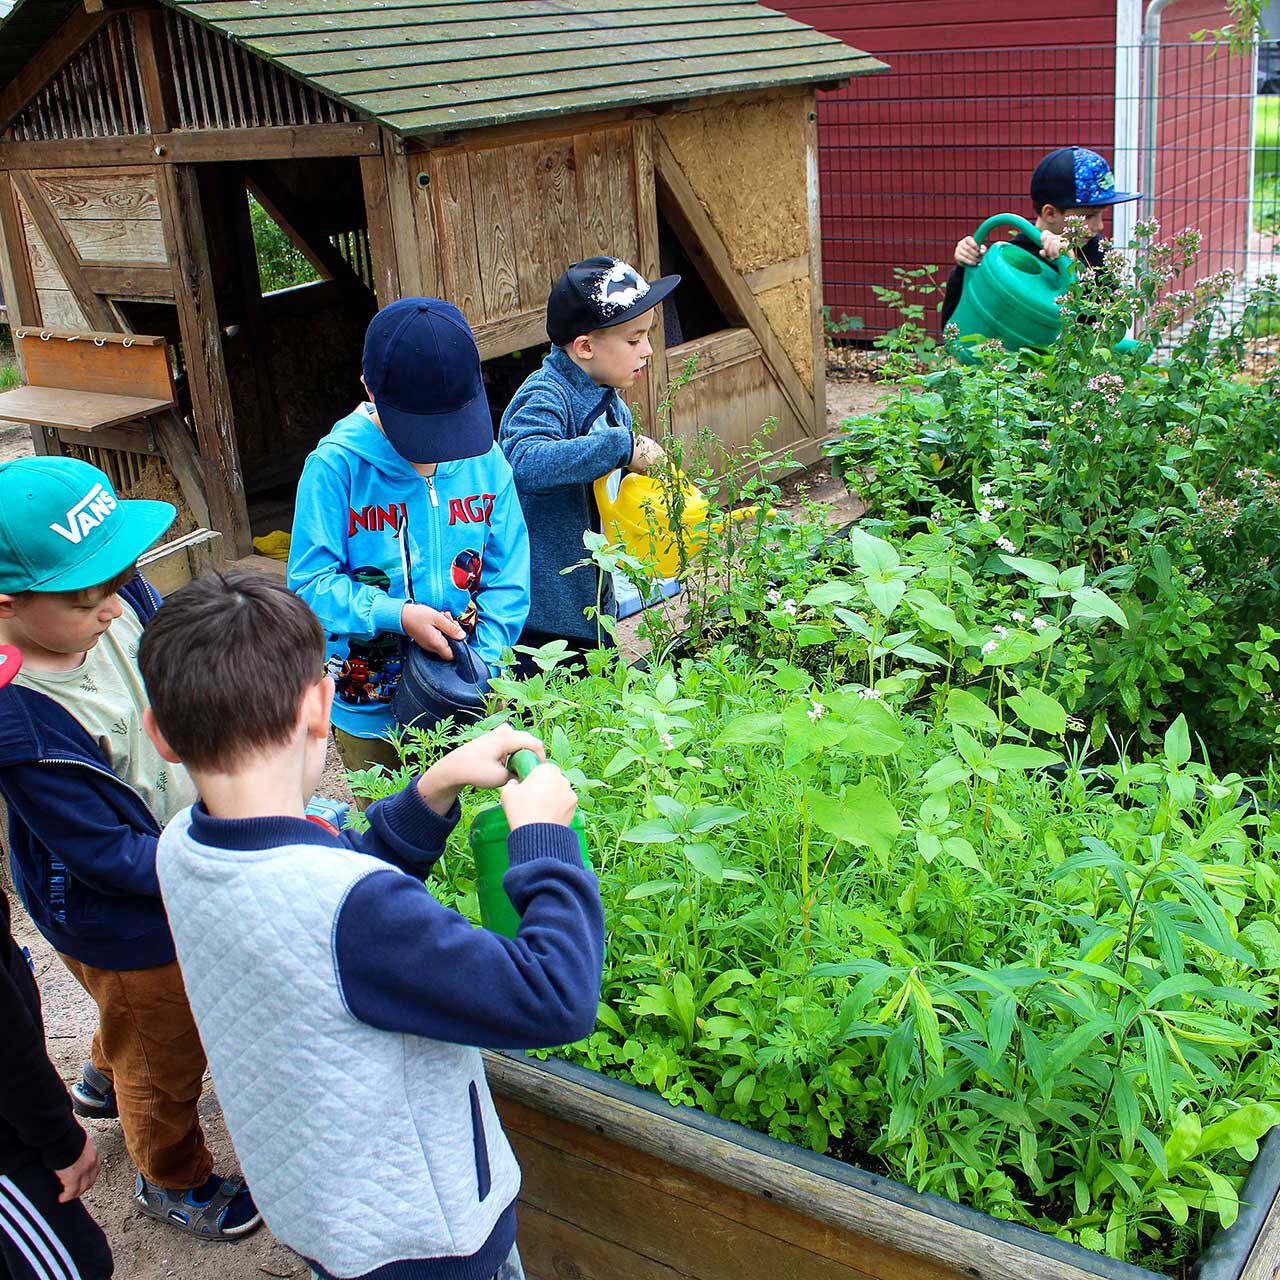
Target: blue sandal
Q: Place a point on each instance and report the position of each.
(227, 1214)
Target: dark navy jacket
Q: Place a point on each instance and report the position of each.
(82, 843)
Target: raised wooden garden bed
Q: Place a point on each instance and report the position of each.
(620, 1185)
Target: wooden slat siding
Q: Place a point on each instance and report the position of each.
(382, 237)
(412, 220)
(285, 143)
(205, 362)
(716, 47)
(58, 245)
(558, 199)
(135, 283)
(459, 252)
(528, 329)
(62, 43)
(1264, 1259)
(497, 249)
(646, 261)
(702, 240)
(595, 217)
(59, 306)
(813, 195)
(778, 273)
(15, 267)
(833, 1210)
(532, 269)
(128, 194)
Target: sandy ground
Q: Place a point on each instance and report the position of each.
(148, 1250)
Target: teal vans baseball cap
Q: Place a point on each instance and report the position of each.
(62, 528)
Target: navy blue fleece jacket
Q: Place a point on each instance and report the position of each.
(82, 843)
(562, 432)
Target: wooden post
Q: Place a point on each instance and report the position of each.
(649, 265)
(815, 265)
(203, 357)
(155, 69)
(382, 238)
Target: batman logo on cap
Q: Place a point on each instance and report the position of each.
(619, 287)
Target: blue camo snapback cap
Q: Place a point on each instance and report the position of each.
(1076, 178)
(62, 528)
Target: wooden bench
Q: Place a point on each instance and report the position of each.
(106, 391)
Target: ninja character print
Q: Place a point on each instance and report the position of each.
(368, 673)
(467, 568)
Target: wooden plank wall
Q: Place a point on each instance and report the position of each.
(491, 227)
(107, 220)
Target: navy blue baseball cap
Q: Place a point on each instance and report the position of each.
(598, 293)
(1076, 178)
(422, 368)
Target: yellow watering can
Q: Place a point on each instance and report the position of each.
(634, 511)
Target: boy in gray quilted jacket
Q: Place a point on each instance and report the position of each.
(345, 1053)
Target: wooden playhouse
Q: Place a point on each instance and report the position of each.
(468, 150)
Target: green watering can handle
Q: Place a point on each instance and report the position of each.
(1032, 232)
(522, 763)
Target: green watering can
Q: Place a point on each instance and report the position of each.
(1011, 294)
(488, 840)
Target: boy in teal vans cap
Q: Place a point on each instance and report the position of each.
(87, 795)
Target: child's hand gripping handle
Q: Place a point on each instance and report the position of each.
(1028, 229)
(548, 797)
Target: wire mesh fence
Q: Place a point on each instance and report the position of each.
(914, 159)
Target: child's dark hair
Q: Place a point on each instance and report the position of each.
(226, 661)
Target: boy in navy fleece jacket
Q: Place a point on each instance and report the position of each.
(567, 426)
(87, 795)
(345, 1060)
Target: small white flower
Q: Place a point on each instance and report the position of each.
(985, 489)
(773, 595)
(789, 606)
(665, 739)
(1018, 617)
(1005, 545)
(1039, 623)
(1044, 442)
(984, 515)
(870, 695)
(991, 646)
(1097, 439)
(998, 503)
(1000, 631)
(816, 711)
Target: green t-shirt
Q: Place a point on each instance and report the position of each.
(106, 695)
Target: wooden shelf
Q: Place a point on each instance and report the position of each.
(77, 410)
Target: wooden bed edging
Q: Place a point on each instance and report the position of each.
(826, 1190)
(1249, 1249)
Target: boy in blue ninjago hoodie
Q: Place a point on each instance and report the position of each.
(407, 522)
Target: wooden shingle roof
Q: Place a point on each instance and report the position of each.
(419, 67)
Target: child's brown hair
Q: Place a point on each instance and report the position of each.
(226, 661)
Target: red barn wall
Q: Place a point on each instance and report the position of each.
(913, 159)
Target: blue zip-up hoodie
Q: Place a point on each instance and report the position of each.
(361, 510)
(561, 433)
(82, 842)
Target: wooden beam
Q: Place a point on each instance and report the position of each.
(190, 146)
(411, 220)
(499, 337)
(123, 439)
(96, 312)
(813, 194)
(284, 209)
(777, 273)
(155, 68)
(703, 244)
(78, 29)
(129, 281)
(649, 265)
(219, 455)
(173, 564)
(179, 452)
(15, 264)
(382, 239)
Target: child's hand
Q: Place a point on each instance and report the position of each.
(479, 763)
(77, 1178)
(544, 796)
(645, 455)
(1052, 246)
(428, 627)
(969, 252)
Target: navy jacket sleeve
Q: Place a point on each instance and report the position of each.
(77, 822)
(544, 453)
(34, 1107)
(405, 831)
(407, 964)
